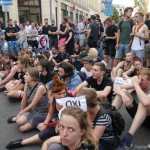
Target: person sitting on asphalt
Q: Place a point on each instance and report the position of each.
(137, 104)
(58, 90)
(124, 68)
(34, 102)
(88, 63)
(67, 74)
(98, 81)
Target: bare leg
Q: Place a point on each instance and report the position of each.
(106, 58)
(31, 140)
(26, 127)
(21, 120)
(116, 61)
(111, 62)
(13, 94)
(117, 102)
(139, 118)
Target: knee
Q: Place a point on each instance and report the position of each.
(9, 94)
(20, 121)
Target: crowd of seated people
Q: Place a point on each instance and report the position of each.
(75, 68)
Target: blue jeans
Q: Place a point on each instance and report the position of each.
(138, 53)
(100, 51)
(123, 48)
(13, 46)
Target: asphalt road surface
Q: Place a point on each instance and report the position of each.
(10, 132)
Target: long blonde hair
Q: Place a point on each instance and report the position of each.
(85, 125)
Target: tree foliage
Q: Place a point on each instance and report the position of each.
(115, 14)
(139, 5)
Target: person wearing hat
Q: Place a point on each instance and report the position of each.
(87, 63)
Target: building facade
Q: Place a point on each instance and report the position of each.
(38, 10)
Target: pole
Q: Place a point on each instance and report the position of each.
(6, 19)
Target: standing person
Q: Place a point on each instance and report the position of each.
(123, 35)
(45, 27)
(140, 34)
(33, 33)
(16, 25)
(2, 37)
(11, 37)
(147, 45)
(2, 25)
(62, 32)
(53, 35)
(69, 38)
(93, 33)
(83, 28)
(27, 26)
(22, 38)
(110, 41)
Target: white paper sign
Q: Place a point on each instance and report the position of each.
(72, 101)
(121, 81)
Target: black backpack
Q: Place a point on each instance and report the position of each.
(118, 123)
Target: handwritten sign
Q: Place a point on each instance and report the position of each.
(72, 101)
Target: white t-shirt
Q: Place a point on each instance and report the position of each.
(88, 73)
(82, 26)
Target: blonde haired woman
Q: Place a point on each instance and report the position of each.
(92, 52)
(75, 132)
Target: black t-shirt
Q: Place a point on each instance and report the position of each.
(59, 58)
(62, 28)
(94, 31)
(110, 31)
(11, 30)
(52, 29)
(48, 77)
(147, 22)
(45, 29)
(99, 87)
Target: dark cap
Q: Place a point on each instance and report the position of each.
(82, 55)
(87, 58)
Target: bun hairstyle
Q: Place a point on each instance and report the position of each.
(57, 85)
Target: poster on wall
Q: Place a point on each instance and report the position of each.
(43, 45)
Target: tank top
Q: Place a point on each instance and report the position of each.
(138, 43)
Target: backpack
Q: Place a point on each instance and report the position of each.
(130, 21)
(118, 123)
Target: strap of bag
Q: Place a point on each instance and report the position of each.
(138, 28)
(32, 91)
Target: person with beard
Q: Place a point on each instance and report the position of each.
(53, 34)
(67, 74)
(124, 68)
(123, 35)
(11, 37)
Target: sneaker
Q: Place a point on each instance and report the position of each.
(14, 144)
(126, 144)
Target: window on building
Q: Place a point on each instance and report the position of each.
(29, 10)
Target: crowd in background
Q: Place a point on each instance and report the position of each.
(104, 61)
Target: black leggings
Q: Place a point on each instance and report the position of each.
(47, 132)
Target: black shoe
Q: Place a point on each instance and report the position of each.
(14, 144)
(10, 120)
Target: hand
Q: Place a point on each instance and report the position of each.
(117, 46)
(132, 34)
(19, 114)
(57, 128)
(137, 34)
(107, 38)
(66, 42)
(136, 81)
(127, 101)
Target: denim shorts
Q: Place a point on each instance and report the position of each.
(24, 44)
(123, 48)
(138, 53)
(13, 46)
